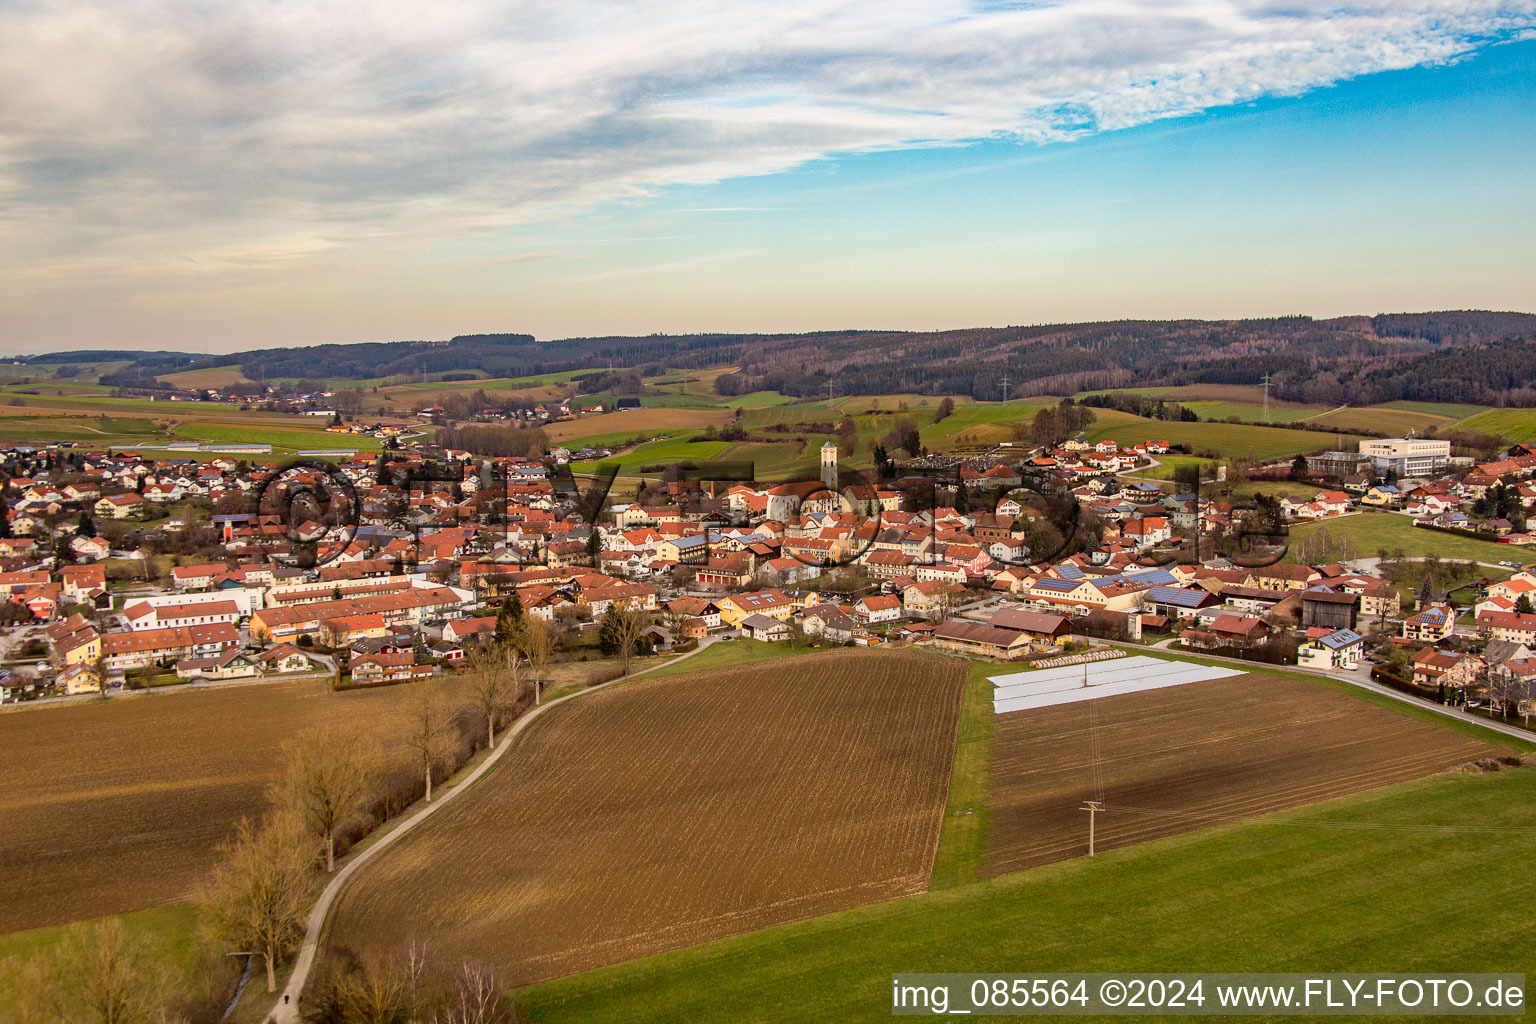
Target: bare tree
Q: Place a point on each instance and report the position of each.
(431, 730)
(258, 898)
(490, 675)
(536, 640)
(477, 998)
(373, 994)
(326, 775)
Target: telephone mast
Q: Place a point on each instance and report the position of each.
(1265, 382)
(1004, 382)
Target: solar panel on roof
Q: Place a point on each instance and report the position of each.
(1175, 596)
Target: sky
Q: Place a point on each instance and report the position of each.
(219, 176)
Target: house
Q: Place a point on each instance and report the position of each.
(138, 649)
(1382, 496)
(1148, 531)
(197, 577)
(387, 668)
(1334, 503)
(286, 658)
(1430, 625)
(1339, 650)
(772, 603)
(1516, 627)
(931, 597)
(763, 627)
(1284, 576)
(878, 608)
(119, 506)
(230, 664)
(829, 621)
(1444, 668)
(1239, 630)
(78, 679)
(661, 637)
(341, 630)
(90, 549)
(80, 581)
(75, 641)
(142, 615)
(460, 629)
(696, 607)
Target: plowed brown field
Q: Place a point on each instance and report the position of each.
(1186, 757)
(113, 806)
(662, 813)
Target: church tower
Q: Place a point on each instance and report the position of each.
(829, 466)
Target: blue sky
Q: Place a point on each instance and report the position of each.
(1067, 162)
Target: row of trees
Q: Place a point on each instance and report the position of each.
(334, 784)
(507, 442)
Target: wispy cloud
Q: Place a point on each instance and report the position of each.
(253, 129)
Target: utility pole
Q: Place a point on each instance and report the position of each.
(1004, 382)
(831, 387)
(1265, 382)
(1093, 807)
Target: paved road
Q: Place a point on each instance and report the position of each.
(288, 1013)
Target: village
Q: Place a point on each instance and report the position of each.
(127, 570)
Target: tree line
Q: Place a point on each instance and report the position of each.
(335, 783)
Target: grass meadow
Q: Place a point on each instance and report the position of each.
(1323, 888)
(1370, 531)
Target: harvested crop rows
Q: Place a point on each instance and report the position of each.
(117, 806)
(666, 812)
(1175, 760)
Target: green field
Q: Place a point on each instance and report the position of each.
(95, 431)
(1277, 413)
(1373, 530)
(789, 414)
(1227, 440)
(1511, 424)
(1391, 422)
(1447, 409)
(757, 400)
(963, 841)
(740, 651)
(280, 438)
(656, 400)
(174, 924)
(660, 453)
(1323, 888)
(780, 461)
(1167, 464)
(980, 423)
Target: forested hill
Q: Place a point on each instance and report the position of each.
(1467, 356)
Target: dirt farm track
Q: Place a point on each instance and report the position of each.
(120, 805)
(1174, 760)
(666, 812)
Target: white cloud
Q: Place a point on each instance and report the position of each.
(252, 132)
